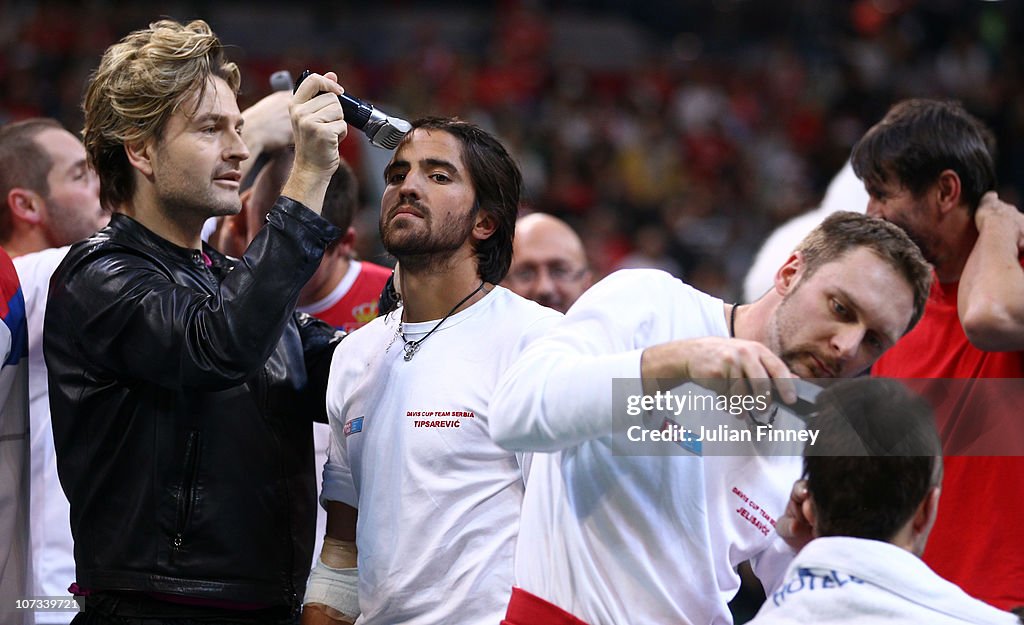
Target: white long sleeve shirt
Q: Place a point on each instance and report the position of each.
(616, 538)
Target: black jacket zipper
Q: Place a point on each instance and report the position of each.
(186, 492)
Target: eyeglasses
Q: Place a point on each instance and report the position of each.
(557, 273)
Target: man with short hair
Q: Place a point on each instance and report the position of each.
(438, 501)
(549, 264)
(609, 537)
(182, 383)
(52, 199)
(873, 479)
(50, 194)
(929, 167)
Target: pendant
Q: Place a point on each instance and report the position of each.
(410, 349)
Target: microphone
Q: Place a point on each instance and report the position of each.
(384, 131)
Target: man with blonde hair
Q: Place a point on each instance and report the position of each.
(182, 383)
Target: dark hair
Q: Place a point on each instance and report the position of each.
(918, 139)
(497, 184)
(844, 231)
(877, 456)
(342, 198)
(23, 163)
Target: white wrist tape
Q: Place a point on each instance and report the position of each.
(337, 588)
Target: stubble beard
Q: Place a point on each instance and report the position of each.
(784, 325)
(924, 243)
(185, 207)
(70, 225)
(418, 248)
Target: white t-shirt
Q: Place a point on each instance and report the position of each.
(852, 580)
(438, 500)
(322, 431)
(53, 555)
(615, 538)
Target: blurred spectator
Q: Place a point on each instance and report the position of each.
(549, 265)
(608, 106)
(846, 192)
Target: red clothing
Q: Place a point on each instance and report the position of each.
(525, 608)
(974, 543)
(357, 305)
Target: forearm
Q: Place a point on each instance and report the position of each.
(332, 592)
(990, 299)
(550, 402)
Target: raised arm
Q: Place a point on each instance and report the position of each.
(990, 300)
(637, 327)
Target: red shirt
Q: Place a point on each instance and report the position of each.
(358, 306)
(975, 542)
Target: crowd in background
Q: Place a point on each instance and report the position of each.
(669, 134)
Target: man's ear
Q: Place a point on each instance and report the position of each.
(923, 520)
(26, 205)
(347, 242)
(947, 191)
(485, 225)
(140, 155)
(789, 273)
(926, 513)
(810, 511)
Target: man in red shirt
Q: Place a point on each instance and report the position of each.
(928, 167)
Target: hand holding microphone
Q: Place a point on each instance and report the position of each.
(384, 131)
(319, 126)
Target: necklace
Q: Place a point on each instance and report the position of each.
(732, 321)
(732, 334)
(411, 347)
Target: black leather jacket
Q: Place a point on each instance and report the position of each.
(181, 397)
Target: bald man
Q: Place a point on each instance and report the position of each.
(549, 265)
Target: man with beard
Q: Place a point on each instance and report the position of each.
(407, 399)
(182, 383)
(549, 264)
(929, 167)
(612, 534)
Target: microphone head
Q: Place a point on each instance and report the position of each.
(385, 131)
